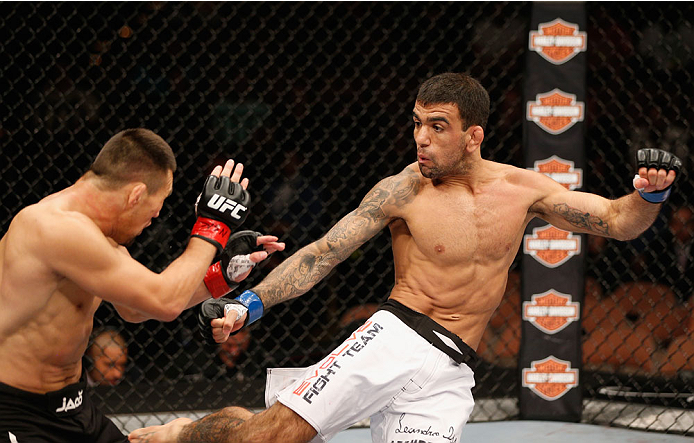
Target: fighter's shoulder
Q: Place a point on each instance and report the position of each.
(399, 188)
(526, 178)
(45, 223)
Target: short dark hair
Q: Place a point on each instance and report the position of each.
(134, 155)
(461, 90)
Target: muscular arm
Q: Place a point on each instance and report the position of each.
(300, 272)
(133, 316)
(623, 219)
(75, 249)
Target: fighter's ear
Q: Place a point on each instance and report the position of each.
(475, 135)
(137, 192)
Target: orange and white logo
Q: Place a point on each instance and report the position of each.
(558, 41)
(551, 246)
(551, 311)
(561, 171)
(555, 111)
(550, 378)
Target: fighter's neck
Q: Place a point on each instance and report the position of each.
(472, 175)
(102, 206)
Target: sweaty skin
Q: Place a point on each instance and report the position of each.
(456, 222)
(62, 256)
(45, 316)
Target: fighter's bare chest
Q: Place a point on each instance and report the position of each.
(74, 301)
(460, 225)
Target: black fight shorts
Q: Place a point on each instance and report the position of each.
(64, 416)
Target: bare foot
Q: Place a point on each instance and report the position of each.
(167, 433)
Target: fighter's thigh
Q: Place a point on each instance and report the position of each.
(423, 422)
(433, 411)
(281, 424)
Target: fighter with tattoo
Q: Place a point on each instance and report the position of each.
(456, 222)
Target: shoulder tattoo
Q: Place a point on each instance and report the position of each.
(396, 190)
(582, 219)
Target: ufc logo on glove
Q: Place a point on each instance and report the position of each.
(221, 204)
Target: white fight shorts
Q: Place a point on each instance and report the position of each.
(414, 389)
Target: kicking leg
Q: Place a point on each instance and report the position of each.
(232, 425)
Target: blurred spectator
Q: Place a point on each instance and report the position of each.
(608, 340)
(107, 357)
(653, 306)
(232, 360)
(679, 358)
(599, 312)
(623, 348)
(232, 351)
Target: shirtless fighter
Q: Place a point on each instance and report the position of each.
(62, 256)
(456, 222)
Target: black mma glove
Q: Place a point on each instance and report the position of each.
(248, 302)
(208, 311)
(221, 207)
(233, 262)
(658, 159)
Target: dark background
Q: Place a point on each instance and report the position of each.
(315, 99)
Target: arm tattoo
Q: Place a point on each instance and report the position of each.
(300, 272)
(582, 219)
(214, 428)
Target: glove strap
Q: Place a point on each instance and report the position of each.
(215, 281)
(655, 197)
(212, 231)
(255, 306)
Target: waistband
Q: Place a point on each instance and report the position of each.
(440, 337)
(63, 402)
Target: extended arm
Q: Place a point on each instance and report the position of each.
(300, 272)
(243, 251)
(624, 218)
(74, 247)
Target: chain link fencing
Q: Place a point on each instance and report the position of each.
(315, 100)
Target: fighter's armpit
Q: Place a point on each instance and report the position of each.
(581, 219)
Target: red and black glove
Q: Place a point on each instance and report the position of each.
(234, 261)
(221, 208)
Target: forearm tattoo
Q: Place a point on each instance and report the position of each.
(303, 270)
(214, 428)
(582, 219)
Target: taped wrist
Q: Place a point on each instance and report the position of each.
(255, 306)
(213, 231)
